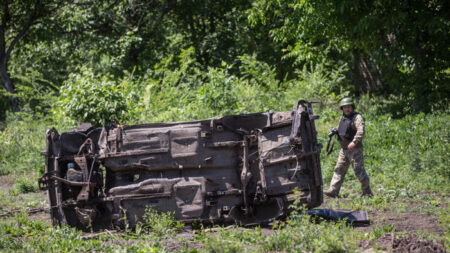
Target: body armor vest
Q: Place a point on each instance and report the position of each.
(345, 130)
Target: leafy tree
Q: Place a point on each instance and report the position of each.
(389, 47)
(18, 18)
(398, 46)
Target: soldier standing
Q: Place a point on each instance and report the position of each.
(350, 134)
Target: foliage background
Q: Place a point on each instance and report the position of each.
(397, 50)
(152, 61)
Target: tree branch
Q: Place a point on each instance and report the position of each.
(19, 36)
(5, 19)
(32, 20)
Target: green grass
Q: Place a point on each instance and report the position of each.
(20, 145)
(402, 156)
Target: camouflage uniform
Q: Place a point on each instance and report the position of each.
(353, 157)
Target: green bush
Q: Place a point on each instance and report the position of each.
(24, 184)
(161, 224)
(87, 97)
(188, 93)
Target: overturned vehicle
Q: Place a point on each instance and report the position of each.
(244, 169)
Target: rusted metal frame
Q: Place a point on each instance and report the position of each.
(290, 158)
(48, 165)
(44, 181)
(117, 202)
(134, 153)
(58, 192)
(139, 196)
(227, 144)
(262, 175)
(71, 183)
(316, 146)
(317, 176)
(212, 197)
(116, 199)
(223, 144)
(278, 125)
(87, 144)
(118, 137)
(114, 139)
(295, 139)
(119, 197)
(64, 158)
(311, 149)
(82, 163)
(245, 173)
(149, 167)
(93, 185)
(224, 193)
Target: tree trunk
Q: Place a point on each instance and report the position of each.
(34, 12)
(422, 88)
(367, 75)
(9, 86)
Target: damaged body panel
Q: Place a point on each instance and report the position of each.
(238, 168)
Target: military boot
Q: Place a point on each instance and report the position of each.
(330, 193)
(366, 191)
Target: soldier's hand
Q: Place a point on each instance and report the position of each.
(351, 146)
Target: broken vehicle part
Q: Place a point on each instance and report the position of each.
(233, 169)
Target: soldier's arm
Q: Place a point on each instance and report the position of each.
(360, 129)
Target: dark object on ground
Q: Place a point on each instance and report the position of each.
(238, 168)
(355, 217)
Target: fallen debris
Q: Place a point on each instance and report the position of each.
(355, 217)
(29, 211)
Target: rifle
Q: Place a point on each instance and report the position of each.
(333, 131)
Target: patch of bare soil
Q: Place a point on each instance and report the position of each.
(6, 183)
(15, 203)
(409, 243)
(406, 221)
(43, 215)
(409, 222)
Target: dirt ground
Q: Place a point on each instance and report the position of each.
(408, 221)
(6, 183)
(408, 243)
(406, 226)
(404, 238)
